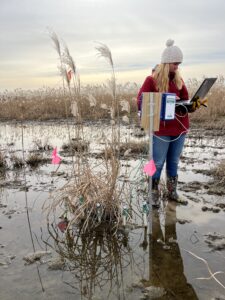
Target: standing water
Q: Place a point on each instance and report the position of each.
(182, 259)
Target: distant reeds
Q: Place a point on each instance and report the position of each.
(53, 104)
(214, 115)
(95, 102)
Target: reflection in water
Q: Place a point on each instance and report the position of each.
(166, 266)
(96, 258)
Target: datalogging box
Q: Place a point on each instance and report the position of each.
(168, 103)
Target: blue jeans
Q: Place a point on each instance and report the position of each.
(167, 148)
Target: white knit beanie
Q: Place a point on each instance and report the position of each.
(171, 54)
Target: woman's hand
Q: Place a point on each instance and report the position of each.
(197, 103)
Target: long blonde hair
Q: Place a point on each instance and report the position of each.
(161, 76)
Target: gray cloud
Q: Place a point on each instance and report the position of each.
(135, 31)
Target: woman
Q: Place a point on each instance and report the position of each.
(168, 142)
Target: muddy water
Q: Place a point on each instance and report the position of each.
(175, 263)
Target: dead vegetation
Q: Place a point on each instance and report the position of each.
(93, 195)
(52, 104)
(134, 148)
(36, 159)
(95, 103)
(42, 145)
(91, 199)
(76, 145)
(127, 150)
(17, 162)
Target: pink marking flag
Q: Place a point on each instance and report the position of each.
(63, 225)
(69, 75)
(150, 168)
(55, 158)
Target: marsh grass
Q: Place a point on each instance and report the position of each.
(42, 145)
(134, 148)
(36, 159)
(54, 103)
(17, 162)
(76, 145)
(93, 195)
(128, 150)
(48, 104)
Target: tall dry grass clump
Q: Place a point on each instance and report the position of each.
(93, 195)
(93, 198)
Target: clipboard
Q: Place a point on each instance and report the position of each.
(201, 92)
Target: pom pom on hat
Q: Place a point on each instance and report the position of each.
(172, 53)
(169, 43)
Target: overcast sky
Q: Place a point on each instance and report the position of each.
(134, 30)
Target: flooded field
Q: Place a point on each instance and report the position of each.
(184, 258)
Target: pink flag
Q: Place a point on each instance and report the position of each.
(150, 168)
(69, 75)
(63, 225)
(54, 152)
(55, 158)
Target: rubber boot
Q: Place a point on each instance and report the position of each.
(155, 193)
(172, 190)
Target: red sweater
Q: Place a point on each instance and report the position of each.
(181, 122)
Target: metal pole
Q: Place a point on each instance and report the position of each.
(151, 129)
(150, 215)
